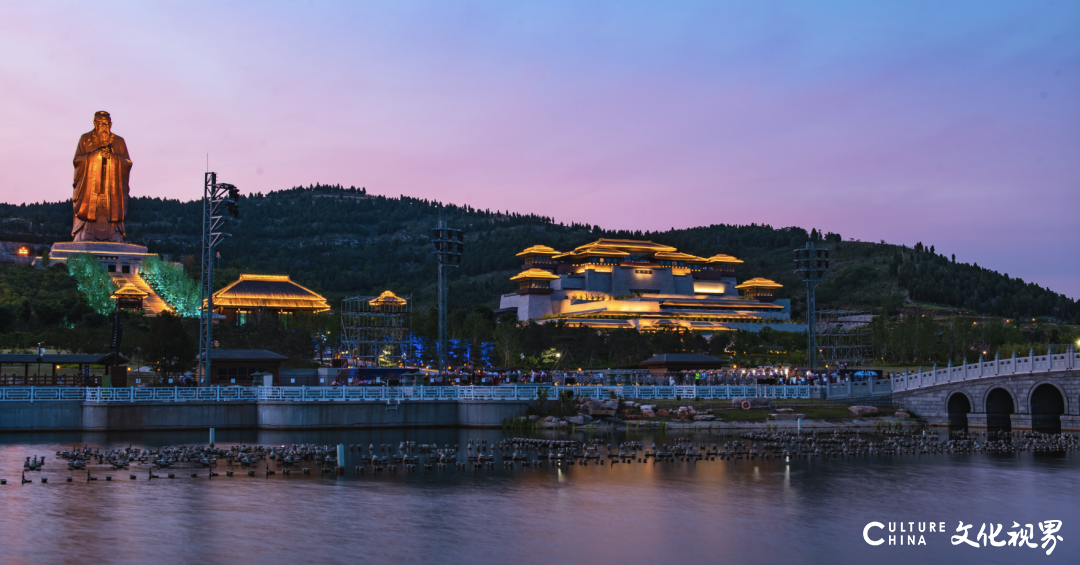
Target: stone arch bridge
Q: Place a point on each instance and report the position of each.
(1040, 392)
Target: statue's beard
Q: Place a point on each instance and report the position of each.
(102, 136)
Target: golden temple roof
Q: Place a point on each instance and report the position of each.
(722, 258)
(628, 245)
(538, 250)
(676, 256)
(592, 252)
(387, 298)
(269, 291)
(759, 282)
(535, 275)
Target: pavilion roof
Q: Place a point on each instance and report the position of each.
(538, 250)
(759, 282)
(535, 275)
(387, 298)
(129, 290)
(722, 258)
(269, 291)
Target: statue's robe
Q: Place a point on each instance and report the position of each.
(100, 196)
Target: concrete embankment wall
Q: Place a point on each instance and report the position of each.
(51, 416)
(271, 415)
(134, 416)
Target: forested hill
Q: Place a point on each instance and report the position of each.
(343, 241)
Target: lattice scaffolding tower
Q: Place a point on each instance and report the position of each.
(811, 262)
(845, 338)
(375, 330)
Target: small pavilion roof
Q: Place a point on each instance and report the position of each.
(538, 250)
(129, 290)
(722, 258)
(535, 275)
(759, 282)
(387, 298)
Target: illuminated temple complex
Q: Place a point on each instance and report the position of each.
(619, 283)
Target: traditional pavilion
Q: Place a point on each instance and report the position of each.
(759, 289)
(621, 283)
(273, 295)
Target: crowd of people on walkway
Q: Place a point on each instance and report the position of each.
(719, 377)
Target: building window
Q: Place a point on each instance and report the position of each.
(643, 271)
(112, 268)
(125, 269)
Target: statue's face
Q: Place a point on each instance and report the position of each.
(102, 125)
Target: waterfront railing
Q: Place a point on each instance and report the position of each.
(1067, 360)
(394, 394)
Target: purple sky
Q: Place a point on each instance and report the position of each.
(957, 126)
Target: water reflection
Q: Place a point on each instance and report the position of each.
(747, 511)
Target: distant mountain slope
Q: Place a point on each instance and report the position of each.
(343, 241)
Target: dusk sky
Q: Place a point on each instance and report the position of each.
(955, 124)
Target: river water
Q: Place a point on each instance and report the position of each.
(743, 511)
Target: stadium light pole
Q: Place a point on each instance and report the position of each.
(215, 196)
(449, 245)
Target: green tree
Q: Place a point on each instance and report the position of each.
(169, 347)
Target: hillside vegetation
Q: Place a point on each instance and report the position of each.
(343, 241)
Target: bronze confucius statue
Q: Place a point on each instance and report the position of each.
(100, 197)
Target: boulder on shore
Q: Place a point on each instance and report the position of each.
(704, 418)
(663, 413)
(648, 413)
(903, 414)
(863, 411)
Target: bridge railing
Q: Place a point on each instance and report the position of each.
(1063, 361)
(390, 394)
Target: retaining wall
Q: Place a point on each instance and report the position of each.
(270, 415)
(57, 416)
(134, 416)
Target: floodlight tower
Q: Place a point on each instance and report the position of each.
(811, 262)
(449, 244)
(215, 196)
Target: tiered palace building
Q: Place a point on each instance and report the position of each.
(620, 283)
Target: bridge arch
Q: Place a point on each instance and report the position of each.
(1000, 406)
(1047, 403)
(957, 406)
